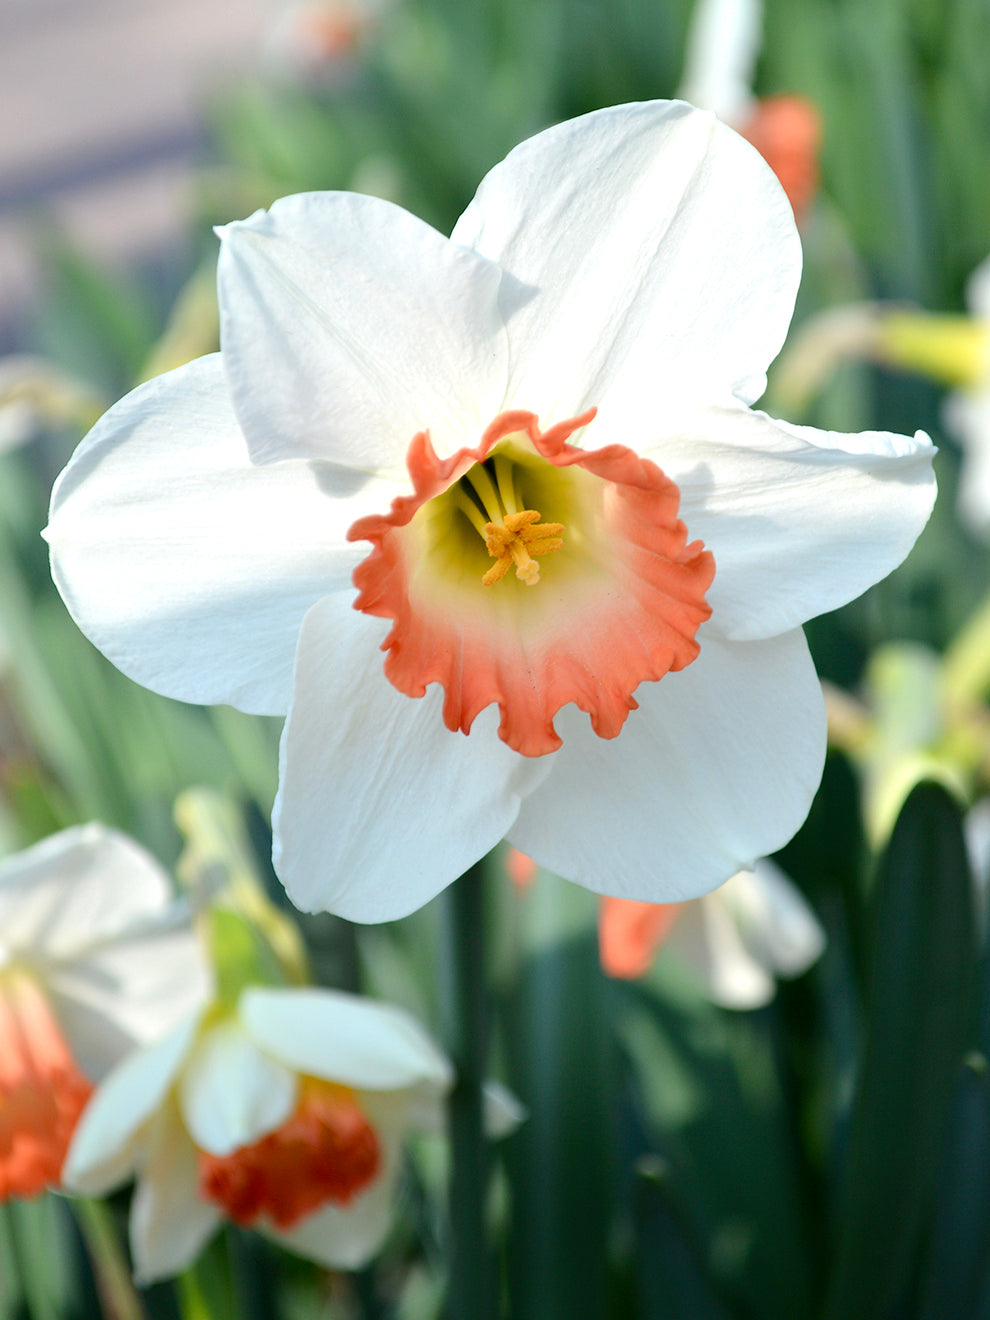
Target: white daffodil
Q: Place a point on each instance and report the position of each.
(521, 461)
(737, 941)
(92, 963)
(286, 1115)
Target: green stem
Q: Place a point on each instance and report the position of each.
(192, 1303)
(118, 1295)
(471, 1293)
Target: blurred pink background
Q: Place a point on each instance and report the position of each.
(99, 123)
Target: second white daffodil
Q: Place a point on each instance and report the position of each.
(735, 942)
(95, 960)
(285, 1115)
(522, 462)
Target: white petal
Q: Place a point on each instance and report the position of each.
(344, 1038)
(661, 254)
(131, 991)
(380, 806)
(347, 326)
(231, 1093)
(708, 940)
(346, 1237)
(104, 1146)
(76, 890)
(188, 567)
(799, 521)
(773, 919)
(169, 1224)
(717, 767)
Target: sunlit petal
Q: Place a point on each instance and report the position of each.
(347, 325)
(392, 761)
(222, 559)
(676, 280)
(717, 767)
(375, 1047)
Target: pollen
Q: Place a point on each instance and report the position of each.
(511, 535)
(326, 1151)
(42, 1091)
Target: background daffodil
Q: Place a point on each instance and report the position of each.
(284, 1114)
(95, 960)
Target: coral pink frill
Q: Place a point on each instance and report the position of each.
(618, 604)
(42, 1091)
(326, 1151)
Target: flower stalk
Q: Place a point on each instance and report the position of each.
(118, 1296)
(471, 1290)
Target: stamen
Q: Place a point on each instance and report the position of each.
(506, 486)
(511, 535)
(484, 488)
(471, 511)
(516, 540)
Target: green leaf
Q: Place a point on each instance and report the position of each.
(561, 1161)
(728, 1190)
(958, 1266)
(93, 320)
(39, 1250)
(920, 1011)
(207, 1289)
(673, 1283)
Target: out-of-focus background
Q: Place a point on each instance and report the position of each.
(825, 1153)
(102, 124)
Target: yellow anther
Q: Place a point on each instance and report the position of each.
(515, 540)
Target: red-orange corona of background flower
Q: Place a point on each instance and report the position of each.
(94, 961)
(523, 463)
(284, 1112)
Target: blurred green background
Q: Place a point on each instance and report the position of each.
(827, 1155)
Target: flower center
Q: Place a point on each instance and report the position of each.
(619, 604)
(42, 1091)
(325, 1151)
(488, 497)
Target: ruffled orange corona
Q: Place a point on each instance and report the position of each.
(326, 1151)
(607, 592)
(42, 1091)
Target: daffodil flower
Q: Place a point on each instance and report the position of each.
(285, 1115)
(92, 963)
(522, 462)
(737, 941)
